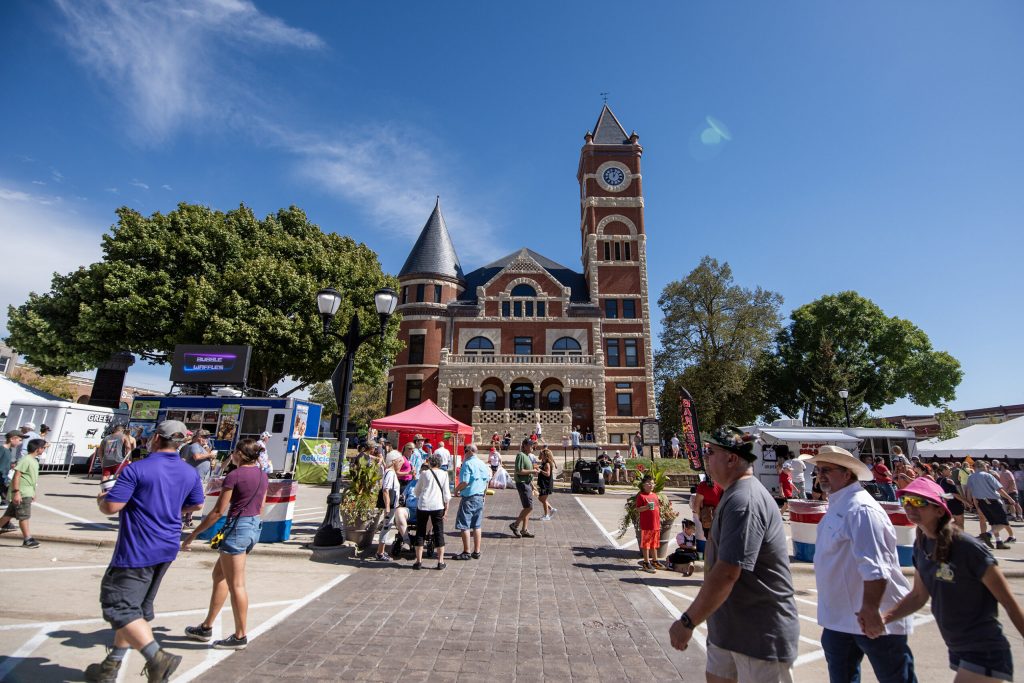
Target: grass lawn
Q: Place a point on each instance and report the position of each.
(670, 465)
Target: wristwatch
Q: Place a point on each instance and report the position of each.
(687, 621)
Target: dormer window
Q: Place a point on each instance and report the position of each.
(523, 303)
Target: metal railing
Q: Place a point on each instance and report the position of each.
(58, 457)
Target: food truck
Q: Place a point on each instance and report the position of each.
(230, 417)
(76, 429)
(786, 439)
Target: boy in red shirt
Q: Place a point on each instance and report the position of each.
(786, 485)
(649, 515)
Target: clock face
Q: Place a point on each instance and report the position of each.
(614, 176)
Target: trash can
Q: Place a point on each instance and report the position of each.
(804, 516)
(905, 532)
(277, 512)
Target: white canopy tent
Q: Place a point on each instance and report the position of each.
(999, 441)
(16, 392)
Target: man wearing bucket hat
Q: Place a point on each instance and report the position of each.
(748, 588)
(965, 586)
(858, 576)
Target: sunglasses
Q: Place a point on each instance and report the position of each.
(914, 501)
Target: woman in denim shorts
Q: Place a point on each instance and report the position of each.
(242, 496)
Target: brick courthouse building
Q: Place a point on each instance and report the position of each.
(525, 338)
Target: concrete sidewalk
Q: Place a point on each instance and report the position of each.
(563, 605)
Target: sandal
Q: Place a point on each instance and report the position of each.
(462, 556)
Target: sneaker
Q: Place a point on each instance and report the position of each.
(515, 530)
(417, 565)
(553, 511)
(30, 543)
(382, 557)
(232, 642)
(1001, 546)
(525, 534)
(8, 528)
(200, 633)
(646, 566)
(187, 525)
(657, 565)
(986, 538)
(462, 556)
(396, 548)
(104, 672)
(162, 666)
(546, 518)
(1011, 539)
(475, 556)
(441, 565)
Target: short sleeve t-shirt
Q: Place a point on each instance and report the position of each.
(523, 463)
(29, 468)
(476, 475)
(881, 474)
(748, 532)
(712, 493)
(964, 609)
(983, 486)
(155, 490)
(202, 466)
(248, 489)
(650, 520)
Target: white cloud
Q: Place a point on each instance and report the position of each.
(167, 61)
(56, 175)
(38, 182)
(9, 195)
(139, 183)
(166, 187)
(113, 190)
(45, 239)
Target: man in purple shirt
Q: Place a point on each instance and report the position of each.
(150, 496)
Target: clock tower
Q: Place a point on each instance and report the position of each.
(614, 258)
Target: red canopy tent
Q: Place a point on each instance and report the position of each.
(427, 419)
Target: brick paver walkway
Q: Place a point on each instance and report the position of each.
(563, 605)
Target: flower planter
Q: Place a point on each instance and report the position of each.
(360, 529)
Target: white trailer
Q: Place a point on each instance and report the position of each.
(76, 429)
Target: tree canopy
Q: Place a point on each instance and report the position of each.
(200, 276)
(713, 334)
(844, 341)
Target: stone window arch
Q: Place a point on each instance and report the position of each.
(566, 346)
(479, 346)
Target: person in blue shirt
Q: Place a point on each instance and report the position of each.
(149, 497)
(473, 477)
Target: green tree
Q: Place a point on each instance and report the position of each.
(714, 333)
(949, 423)
(196, 275)
(844, 341)
(366, 402)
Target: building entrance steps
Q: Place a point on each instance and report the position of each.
(563, 606)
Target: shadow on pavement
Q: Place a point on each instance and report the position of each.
(39, 670)
(81, 640)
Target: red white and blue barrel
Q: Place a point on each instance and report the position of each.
(804, 517)
(277, 512)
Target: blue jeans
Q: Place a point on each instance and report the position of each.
(243, 536)
(889, 655)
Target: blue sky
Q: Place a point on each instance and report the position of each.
(873, 146)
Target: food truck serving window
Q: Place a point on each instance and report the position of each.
(197, 419)
(254, 421)
(278, 425)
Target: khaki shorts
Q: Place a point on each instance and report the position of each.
(20, 512)
(739, 667)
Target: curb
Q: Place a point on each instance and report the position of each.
(300, 552)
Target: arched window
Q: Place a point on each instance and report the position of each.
(489, 400)
(524, 290)
(479, 346)
(566, 346)
(554, 400)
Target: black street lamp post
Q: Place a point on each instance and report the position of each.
(845, 394)
(331, 531)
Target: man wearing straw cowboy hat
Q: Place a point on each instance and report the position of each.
(858, 576)
(747, 597)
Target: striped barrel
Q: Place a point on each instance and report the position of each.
(804, 516)
(277, 512)
(905, 532)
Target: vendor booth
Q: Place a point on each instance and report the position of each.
(432, 423)
(1003, 441)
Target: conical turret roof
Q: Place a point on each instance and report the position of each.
(433, 253)
(608, 130)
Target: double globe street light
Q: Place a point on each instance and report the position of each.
(332, 532)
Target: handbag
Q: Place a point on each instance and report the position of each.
(218, 537)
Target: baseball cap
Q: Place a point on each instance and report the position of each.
(172, 430)
(202, 432)
(29, 425)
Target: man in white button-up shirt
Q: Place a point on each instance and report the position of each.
(858, 576)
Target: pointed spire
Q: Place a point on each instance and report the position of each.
(433, 253)
(608, 130)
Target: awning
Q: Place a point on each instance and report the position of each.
(773, 436)
(996, 441)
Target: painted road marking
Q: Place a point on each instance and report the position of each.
(55, 569)
(607, 535)
(83, 520)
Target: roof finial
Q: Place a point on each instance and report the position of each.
(604, 96)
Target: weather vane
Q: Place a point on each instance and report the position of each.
(604, 96)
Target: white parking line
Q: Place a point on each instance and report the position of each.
(83, 520)
(602, 529)
(55, 569)
(55, 625)
(699, 635)
(25, 650)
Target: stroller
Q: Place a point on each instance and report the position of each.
(408, 500)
